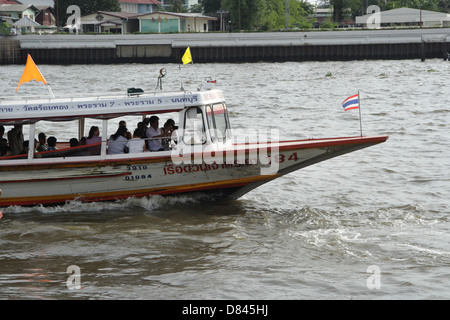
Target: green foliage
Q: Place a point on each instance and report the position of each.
(245, 14)
(268, 14)
(328, 25)
(211, 5)
(86, 7)
(197, 8)
(432, 5)
(177, 6)
(5, 28)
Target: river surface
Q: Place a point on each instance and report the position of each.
(373, 224)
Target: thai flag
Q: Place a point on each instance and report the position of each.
(351, 102)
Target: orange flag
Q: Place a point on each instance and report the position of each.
(31, 72)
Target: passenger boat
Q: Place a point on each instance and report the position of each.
(204, 156)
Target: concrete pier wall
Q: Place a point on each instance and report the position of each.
(10, 51)
(235, 47)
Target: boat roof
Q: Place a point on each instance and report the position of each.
(28, 111)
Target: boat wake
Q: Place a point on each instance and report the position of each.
(126, 206)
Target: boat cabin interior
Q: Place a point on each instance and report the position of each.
(195, 124)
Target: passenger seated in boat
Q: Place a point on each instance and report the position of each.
(2, 132)
(137, 144)
(172, 122)
(78, 152)
(4, 148)
(167, 131)
(15, 138)
(74, 142)
(42, 146)
(118, 141)
(26, 147)
(141, 125)
(51, 141)
(92, 138)
(153, 134)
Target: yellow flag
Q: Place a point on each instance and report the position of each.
(31, 72)
(187, 58)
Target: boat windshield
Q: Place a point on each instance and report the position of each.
(194, 128)
(218, 121)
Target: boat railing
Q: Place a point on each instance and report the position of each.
(85, 150)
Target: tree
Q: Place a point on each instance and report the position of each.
(267, 14)
(432, 5)
(338, 9)
(86, 7)
(177, 6)
(275, 16)
(211, 5)
(245, 14)
(197, 8)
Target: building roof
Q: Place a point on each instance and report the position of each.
(9, 2)
(102, 16)
(26, 22)
(16, 7)
(42, 8)
(404, 15)
(38, 2)
(122, 15)
(142, 1)
(185, 15)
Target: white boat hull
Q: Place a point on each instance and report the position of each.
(56, 181)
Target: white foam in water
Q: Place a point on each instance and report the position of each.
(149, 203)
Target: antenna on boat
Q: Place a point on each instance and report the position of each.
(162, 74)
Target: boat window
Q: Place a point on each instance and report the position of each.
(220, 120)
(211, 125)
(194, 129)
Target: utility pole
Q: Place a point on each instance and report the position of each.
(420, 14)
(286, 14)
(239, 15)
(57, 17)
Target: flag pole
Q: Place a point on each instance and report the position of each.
(50, 91)
(360, 121)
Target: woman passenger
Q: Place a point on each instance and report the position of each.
(42, 146)
(118, 141)
(94, 137)
(137, 144)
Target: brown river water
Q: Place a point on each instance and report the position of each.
(373, 224)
